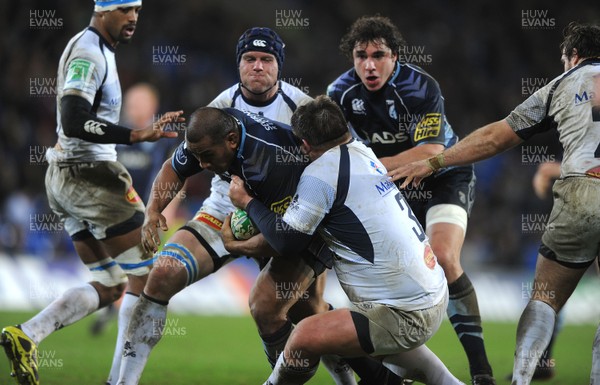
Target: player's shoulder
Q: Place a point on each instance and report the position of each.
(413, 81)
(296, 94)
(87, 45)
(225, 98)
(343, 83)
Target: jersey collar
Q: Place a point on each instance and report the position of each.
(394, 74)
(260, 104)
(242, 137)
(102, 39)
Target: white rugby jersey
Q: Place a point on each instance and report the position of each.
(569, 103)
(383, 254)
(280, 108)
(87, 68)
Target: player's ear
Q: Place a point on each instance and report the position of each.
(306, 147)
(232, 139)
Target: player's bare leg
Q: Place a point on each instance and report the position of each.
(552, 287)
(334, 332)
(70, 307)
(182, 262)
(446, 241)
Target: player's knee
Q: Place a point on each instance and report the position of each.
(108, 294)
(167, 277)
(302, 339)
(266, 312)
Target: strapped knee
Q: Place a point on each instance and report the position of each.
(135, 261)
(184, 256)
(107, 272)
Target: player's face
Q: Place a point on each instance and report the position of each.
(258, 72)
(374, 63)
(216, 157)
(120, 24)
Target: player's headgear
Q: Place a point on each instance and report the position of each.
(111, 5)
(261, 39)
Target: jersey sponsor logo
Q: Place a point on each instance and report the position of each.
(385, 186)
(429, 258)
(79, 73)
(210, 221)
(281, 206)
(594, 172)
(386, 137)
(132, 195)
(429, 126)
(358, 107)
(392, 109)
(584, 97)
(94, 127)
(259, 43)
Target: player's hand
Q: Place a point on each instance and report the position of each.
(150, 238)
(227, 233)
(414, 172)
(545, 174)
(156, 130)
(238, 194)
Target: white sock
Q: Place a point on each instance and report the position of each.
(533, 335)
(286, 375)
(143, 333)
(421, 364)
(339, 369)
(595, 376)
(70, 307)
(125, 312)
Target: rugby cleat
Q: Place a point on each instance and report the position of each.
(22, 354)
(483, 379)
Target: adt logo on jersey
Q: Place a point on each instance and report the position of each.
(259, 43)
(358, 107)
(94, 127)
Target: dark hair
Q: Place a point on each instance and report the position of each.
(583, 38)
(372, 29)
(211, 122)
(319, 121)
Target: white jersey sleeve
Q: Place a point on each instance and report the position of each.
(569, 105)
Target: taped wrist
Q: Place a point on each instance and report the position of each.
(437, 162)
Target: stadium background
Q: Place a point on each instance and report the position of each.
(487, 56)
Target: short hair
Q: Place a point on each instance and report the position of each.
(583, 38)
(372, 29)
(212, 122)
(319, 121)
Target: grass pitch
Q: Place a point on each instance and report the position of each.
(227, 350)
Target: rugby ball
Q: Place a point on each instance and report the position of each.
(241, 225)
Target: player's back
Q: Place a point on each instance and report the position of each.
(383, 252)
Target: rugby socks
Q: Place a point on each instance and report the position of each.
(595, 375)
(339, 369)
(274, 344)
(463, 312)
(533, 334)
(70, 307)
(125, 312)
(284, 374)
(422, 365)
(142, 334)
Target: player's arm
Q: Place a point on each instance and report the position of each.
(256, 246)
(283, 244)
(78, 121)
(545, 174)
(166, 185)
(482, 143)
(423, 151)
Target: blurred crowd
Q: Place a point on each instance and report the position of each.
(488, 56)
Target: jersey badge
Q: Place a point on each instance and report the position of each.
(429, 126)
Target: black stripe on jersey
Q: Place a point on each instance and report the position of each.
(288, 100)
(342, 222)
(236, 95)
